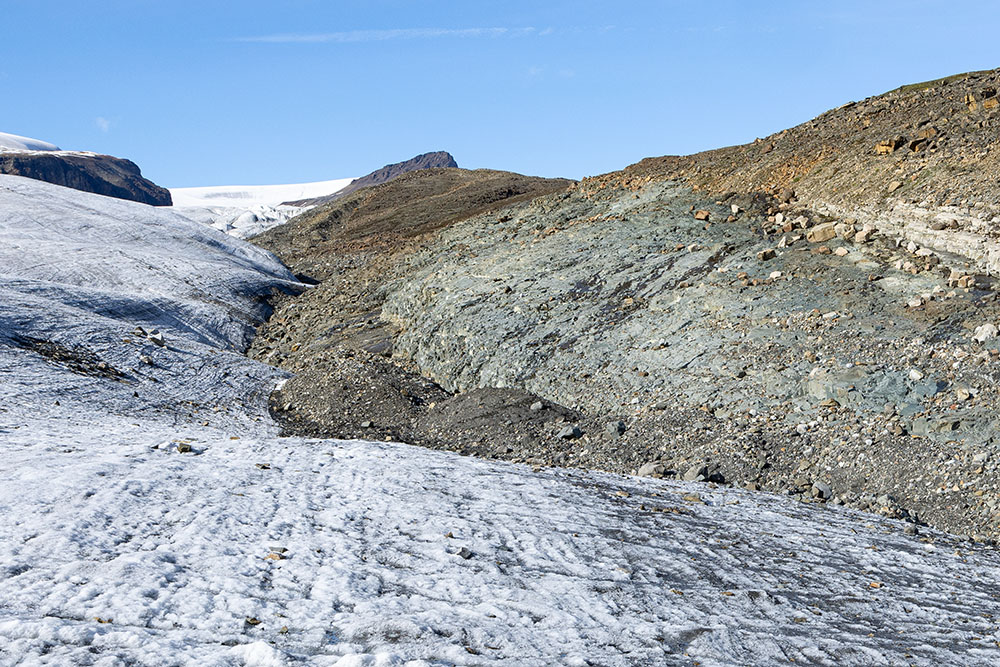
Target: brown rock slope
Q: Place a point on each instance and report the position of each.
(388, 217)
(921, 161)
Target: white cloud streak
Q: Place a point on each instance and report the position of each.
(103, 124)
(358, 36)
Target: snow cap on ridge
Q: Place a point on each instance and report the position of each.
(18, 143)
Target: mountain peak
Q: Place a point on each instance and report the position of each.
(434, 160)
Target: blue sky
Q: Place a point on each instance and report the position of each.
(207, 93)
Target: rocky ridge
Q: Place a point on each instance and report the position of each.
(435, 160)
(89, 172)
(724, 330)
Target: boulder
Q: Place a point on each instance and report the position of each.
(927, 133)
(652, 469)
(822, 490)
(696, 473)
(570, 433)
(820, 233)
(615, 429)
(887, 146)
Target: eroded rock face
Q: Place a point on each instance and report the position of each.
(100, 174)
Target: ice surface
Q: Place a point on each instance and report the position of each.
(80, 272)
(117, 547)
(247, 210)
(233, 195)
(15, 142)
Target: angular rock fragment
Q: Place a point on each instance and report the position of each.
(823, 232)
(652, 469)
(696, 473)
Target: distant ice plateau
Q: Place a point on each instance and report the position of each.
(18, 143)
(248, 210)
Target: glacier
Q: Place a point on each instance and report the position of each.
(247, 210)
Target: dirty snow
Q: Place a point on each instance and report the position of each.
(117, 547)
(247, 210)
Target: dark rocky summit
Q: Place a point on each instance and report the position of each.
(813, 314)
(436, 160)
(100, 174)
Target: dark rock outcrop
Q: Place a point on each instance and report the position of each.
(438, 159)
(100, 174)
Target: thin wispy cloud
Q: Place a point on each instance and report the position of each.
(357, 36)
(538, 72)
(103, 124)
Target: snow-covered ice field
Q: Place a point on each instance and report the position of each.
(238, 210)
(14, 142)
(118, 547)
(246, 210)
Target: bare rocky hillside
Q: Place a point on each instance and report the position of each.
(813, 314)
(435, 160)
(921, 161)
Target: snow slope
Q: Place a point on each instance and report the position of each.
(247, 210)
(15, 142)
(563, 568)
(236, 195)
(117, 547)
